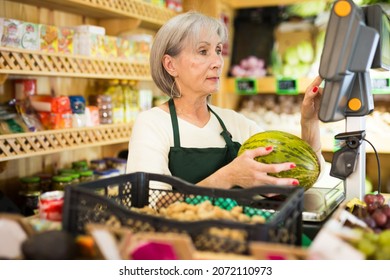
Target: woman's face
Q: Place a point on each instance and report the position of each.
(199, 68)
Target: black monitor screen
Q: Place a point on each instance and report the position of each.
(377, 18)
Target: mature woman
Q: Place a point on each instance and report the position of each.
(191, 139)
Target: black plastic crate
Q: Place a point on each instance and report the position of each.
(108, 201)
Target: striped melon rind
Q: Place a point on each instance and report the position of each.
(286, 148)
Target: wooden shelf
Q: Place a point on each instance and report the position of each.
(151, 15)
(26, 62)
(22, 145)
(241, 4)
(267, 85)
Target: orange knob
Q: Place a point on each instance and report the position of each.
(342, 8)
(354, 104)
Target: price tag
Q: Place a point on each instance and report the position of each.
(246, 86)
(380, 86)
(287, 86)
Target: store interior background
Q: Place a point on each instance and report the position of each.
(251, 30)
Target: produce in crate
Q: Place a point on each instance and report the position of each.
(286, 148)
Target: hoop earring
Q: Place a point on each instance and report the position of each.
(172, 93)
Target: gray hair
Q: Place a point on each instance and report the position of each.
(171, 38)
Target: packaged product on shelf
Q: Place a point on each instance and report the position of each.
(61, 113)
(30, 36)
(92, 116)
(145, 99)
(29, 195)
(118, 106)
(142, 44)
(125, 48)
(77, 104)
(119, 164)
(80, 165)
(108, 173)
(48, 38)
(50, 206)
(89, 40)
(11, 123)
(104, 104)
(109, 47)
(98, 164)
(65, 40)
(10, 32)
(59, 182)
(87, 176)
(131, 100)
(19, 34)
(25, 88)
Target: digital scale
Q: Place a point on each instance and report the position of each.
(323, 198)
(357, 39)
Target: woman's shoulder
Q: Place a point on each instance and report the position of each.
(227, 113)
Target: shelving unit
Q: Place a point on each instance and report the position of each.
(22, 145)
(151, 15)
(22, 62)
(23, 154)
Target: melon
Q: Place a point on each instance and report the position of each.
(286, 148)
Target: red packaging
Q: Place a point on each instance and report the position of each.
(50, 205)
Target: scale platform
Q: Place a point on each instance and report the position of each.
(323, 198)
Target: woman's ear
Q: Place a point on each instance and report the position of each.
(168, 64)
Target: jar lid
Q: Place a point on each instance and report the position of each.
(62, 178)
(77, 164)
(98, 161)
(119, 160)
(67, 170)
(86, 173)
(72, 175)
(30, 179)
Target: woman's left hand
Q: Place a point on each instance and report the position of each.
(311, 101)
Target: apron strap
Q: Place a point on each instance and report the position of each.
(227, 136)
(175, 125)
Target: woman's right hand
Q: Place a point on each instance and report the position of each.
(246, 172)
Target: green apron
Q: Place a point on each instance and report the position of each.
(195, 164)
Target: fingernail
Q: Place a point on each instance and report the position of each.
(315, 89)
(269, 148)
(292, 165)
(295, 183)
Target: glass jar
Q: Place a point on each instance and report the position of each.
(80, 165)
(75, 177)
(59, 182)
(86, 176)
(98, 164)
(29, 193)
(120, 165)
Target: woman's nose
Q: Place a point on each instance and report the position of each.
(217, 61)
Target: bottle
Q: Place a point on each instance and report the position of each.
(126, 91)
(115, 91)
(132, 98)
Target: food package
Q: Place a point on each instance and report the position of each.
(65, 40)
(48, 38)
(18, 34)
(89, 40)
(109, 48)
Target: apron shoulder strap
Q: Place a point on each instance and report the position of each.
(175, 125)
(226, 136)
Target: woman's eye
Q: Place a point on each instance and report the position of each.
(203, 52)
(219, 51)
